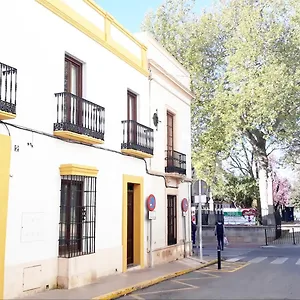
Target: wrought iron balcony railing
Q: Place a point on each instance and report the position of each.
(80, 116)
(175, 162)
(137, 137)
(8, 89)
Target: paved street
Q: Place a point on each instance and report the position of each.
(262, 273)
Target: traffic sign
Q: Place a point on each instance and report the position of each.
(151, 202)
(184, 205)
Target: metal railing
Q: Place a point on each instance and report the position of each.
(8, 88)
(282, 236)
(175, 162)
(80, 116)
(137, 137)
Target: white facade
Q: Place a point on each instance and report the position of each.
(35, 43)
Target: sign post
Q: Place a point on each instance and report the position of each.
(151, 205)
(184, 207)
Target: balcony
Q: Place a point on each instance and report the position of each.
(8, 92)
(175, 162)
(79, 119)
(138, 140)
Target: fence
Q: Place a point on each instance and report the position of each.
(287, 236)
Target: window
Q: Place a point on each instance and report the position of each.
(172, 219)
(73, 90)
(77, 216)
(132, 118)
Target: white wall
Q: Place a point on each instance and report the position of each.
(35, 43)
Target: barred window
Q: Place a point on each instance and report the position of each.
(172, 220)
(77, 216)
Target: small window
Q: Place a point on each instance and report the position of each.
(172, 219)
(77, 216)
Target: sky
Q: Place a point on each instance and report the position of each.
(130, 13)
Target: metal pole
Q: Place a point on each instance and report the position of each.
(151, 257)
(294, 242)
(219, 258)
(200, 229)
(266, 237)
(184, 236)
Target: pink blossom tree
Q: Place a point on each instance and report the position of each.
(281, 191)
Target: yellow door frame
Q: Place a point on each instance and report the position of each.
(5, 156)
(138, 214)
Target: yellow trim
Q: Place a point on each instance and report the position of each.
(6, 116)
(138, 253)
(103, 13)
(77, 137)
(136, 153)
(5, 153)
(72, 169)
(69, 15)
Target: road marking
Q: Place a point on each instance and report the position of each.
(186, 284)
(136, 297)
(279, 260)
(257, 260)
(166, 291)
(235, 259)
(298, 262)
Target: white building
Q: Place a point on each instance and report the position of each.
(80, 151)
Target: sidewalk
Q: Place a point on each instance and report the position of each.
(113, 286)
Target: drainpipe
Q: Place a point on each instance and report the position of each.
(150, 108)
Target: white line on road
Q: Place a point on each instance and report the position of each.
(257, 260)
(279, 260)
(234, 259)
(298, 262)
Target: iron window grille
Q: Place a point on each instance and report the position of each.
(77, 216)
(172, 219)
(8, 88)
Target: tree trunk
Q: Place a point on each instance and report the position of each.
(265, 203)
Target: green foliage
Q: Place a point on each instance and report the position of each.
(243, 191)
(244, 62)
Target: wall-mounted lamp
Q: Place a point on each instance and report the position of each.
(156, 119)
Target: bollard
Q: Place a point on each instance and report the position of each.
(294, 242)
(266, 237)
(219, 258)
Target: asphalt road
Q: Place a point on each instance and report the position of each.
(263, 273)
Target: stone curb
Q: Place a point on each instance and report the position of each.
(147, 283)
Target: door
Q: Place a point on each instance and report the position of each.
(130, 223)
(172, 219)
(71, 217)
(170, 139)
(132, 118)
(73, 85)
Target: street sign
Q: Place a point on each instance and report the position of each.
(184, 205)
(152, 215)
(151, 202)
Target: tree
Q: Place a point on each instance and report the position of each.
(281, 192)
(244, 60)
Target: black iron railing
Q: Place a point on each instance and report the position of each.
(137, 137)
(8, 88)
(80, 116)
(288, 235)
(175, 162)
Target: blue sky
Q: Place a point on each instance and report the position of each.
(130, 13)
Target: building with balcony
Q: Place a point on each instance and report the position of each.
(92, 122)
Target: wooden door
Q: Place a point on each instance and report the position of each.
(132, 118)
(172, 219)
(130, 223)
(73, 85)
(170, 139)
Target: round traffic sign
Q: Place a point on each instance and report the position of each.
(184, 205)
(151, 202)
